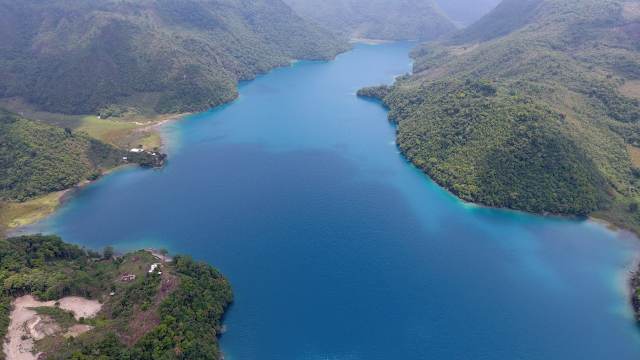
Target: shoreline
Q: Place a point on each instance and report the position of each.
(151, 126)
(629, 273)
(155, 128)
(610, 226)
(63, 196)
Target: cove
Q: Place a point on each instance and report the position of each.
(337, 248)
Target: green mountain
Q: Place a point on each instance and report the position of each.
(535, 107)
(36, 158)
(79, 56)
(378, 19)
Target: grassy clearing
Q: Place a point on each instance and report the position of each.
(14, 215)
(151, 140)
(125, 133)
(131, 129)
(621, 215)
(108, 131)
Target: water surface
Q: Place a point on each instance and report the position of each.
(337, 248)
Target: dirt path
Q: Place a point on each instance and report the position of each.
(26, 325)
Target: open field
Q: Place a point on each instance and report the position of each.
(129, 130)
(14, 214)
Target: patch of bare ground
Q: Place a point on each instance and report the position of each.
(80, 307)
(26, 326)
(631, 89)
(461, 50)
(634, 155)
(41, 326)
(144, 321)
(77, 330)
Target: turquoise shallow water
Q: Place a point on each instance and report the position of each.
(337, 248)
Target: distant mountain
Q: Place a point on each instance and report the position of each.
(78, 56)
(466, 12)
(535, 107)
(508, 16)
(378, 19)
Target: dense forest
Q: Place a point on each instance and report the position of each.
(81, 56)
(378, 19)
(185, 301)
(531, 108)
(37, 158)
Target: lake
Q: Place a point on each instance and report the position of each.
(338, 249)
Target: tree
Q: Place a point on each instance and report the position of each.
(108, 252)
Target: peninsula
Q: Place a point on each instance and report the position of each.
(63, 302)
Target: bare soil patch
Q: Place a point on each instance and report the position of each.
(631, 89)
(77, 329)
(27, 326)
(634, 154)
(144, 321)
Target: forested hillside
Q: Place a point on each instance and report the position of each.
(80, 56)
(378, 19)
(173, 311)
(37, 159)
(535, 107)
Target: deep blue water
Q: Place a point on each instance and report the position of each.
(337, 248)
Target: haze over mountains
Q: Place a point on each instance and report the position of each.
(534, 107)
(506, 17)
(378, 19)
(466, 12)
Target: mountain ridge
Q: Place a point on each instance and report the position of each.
(490, 118)
(77, 56)
(378, 19)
